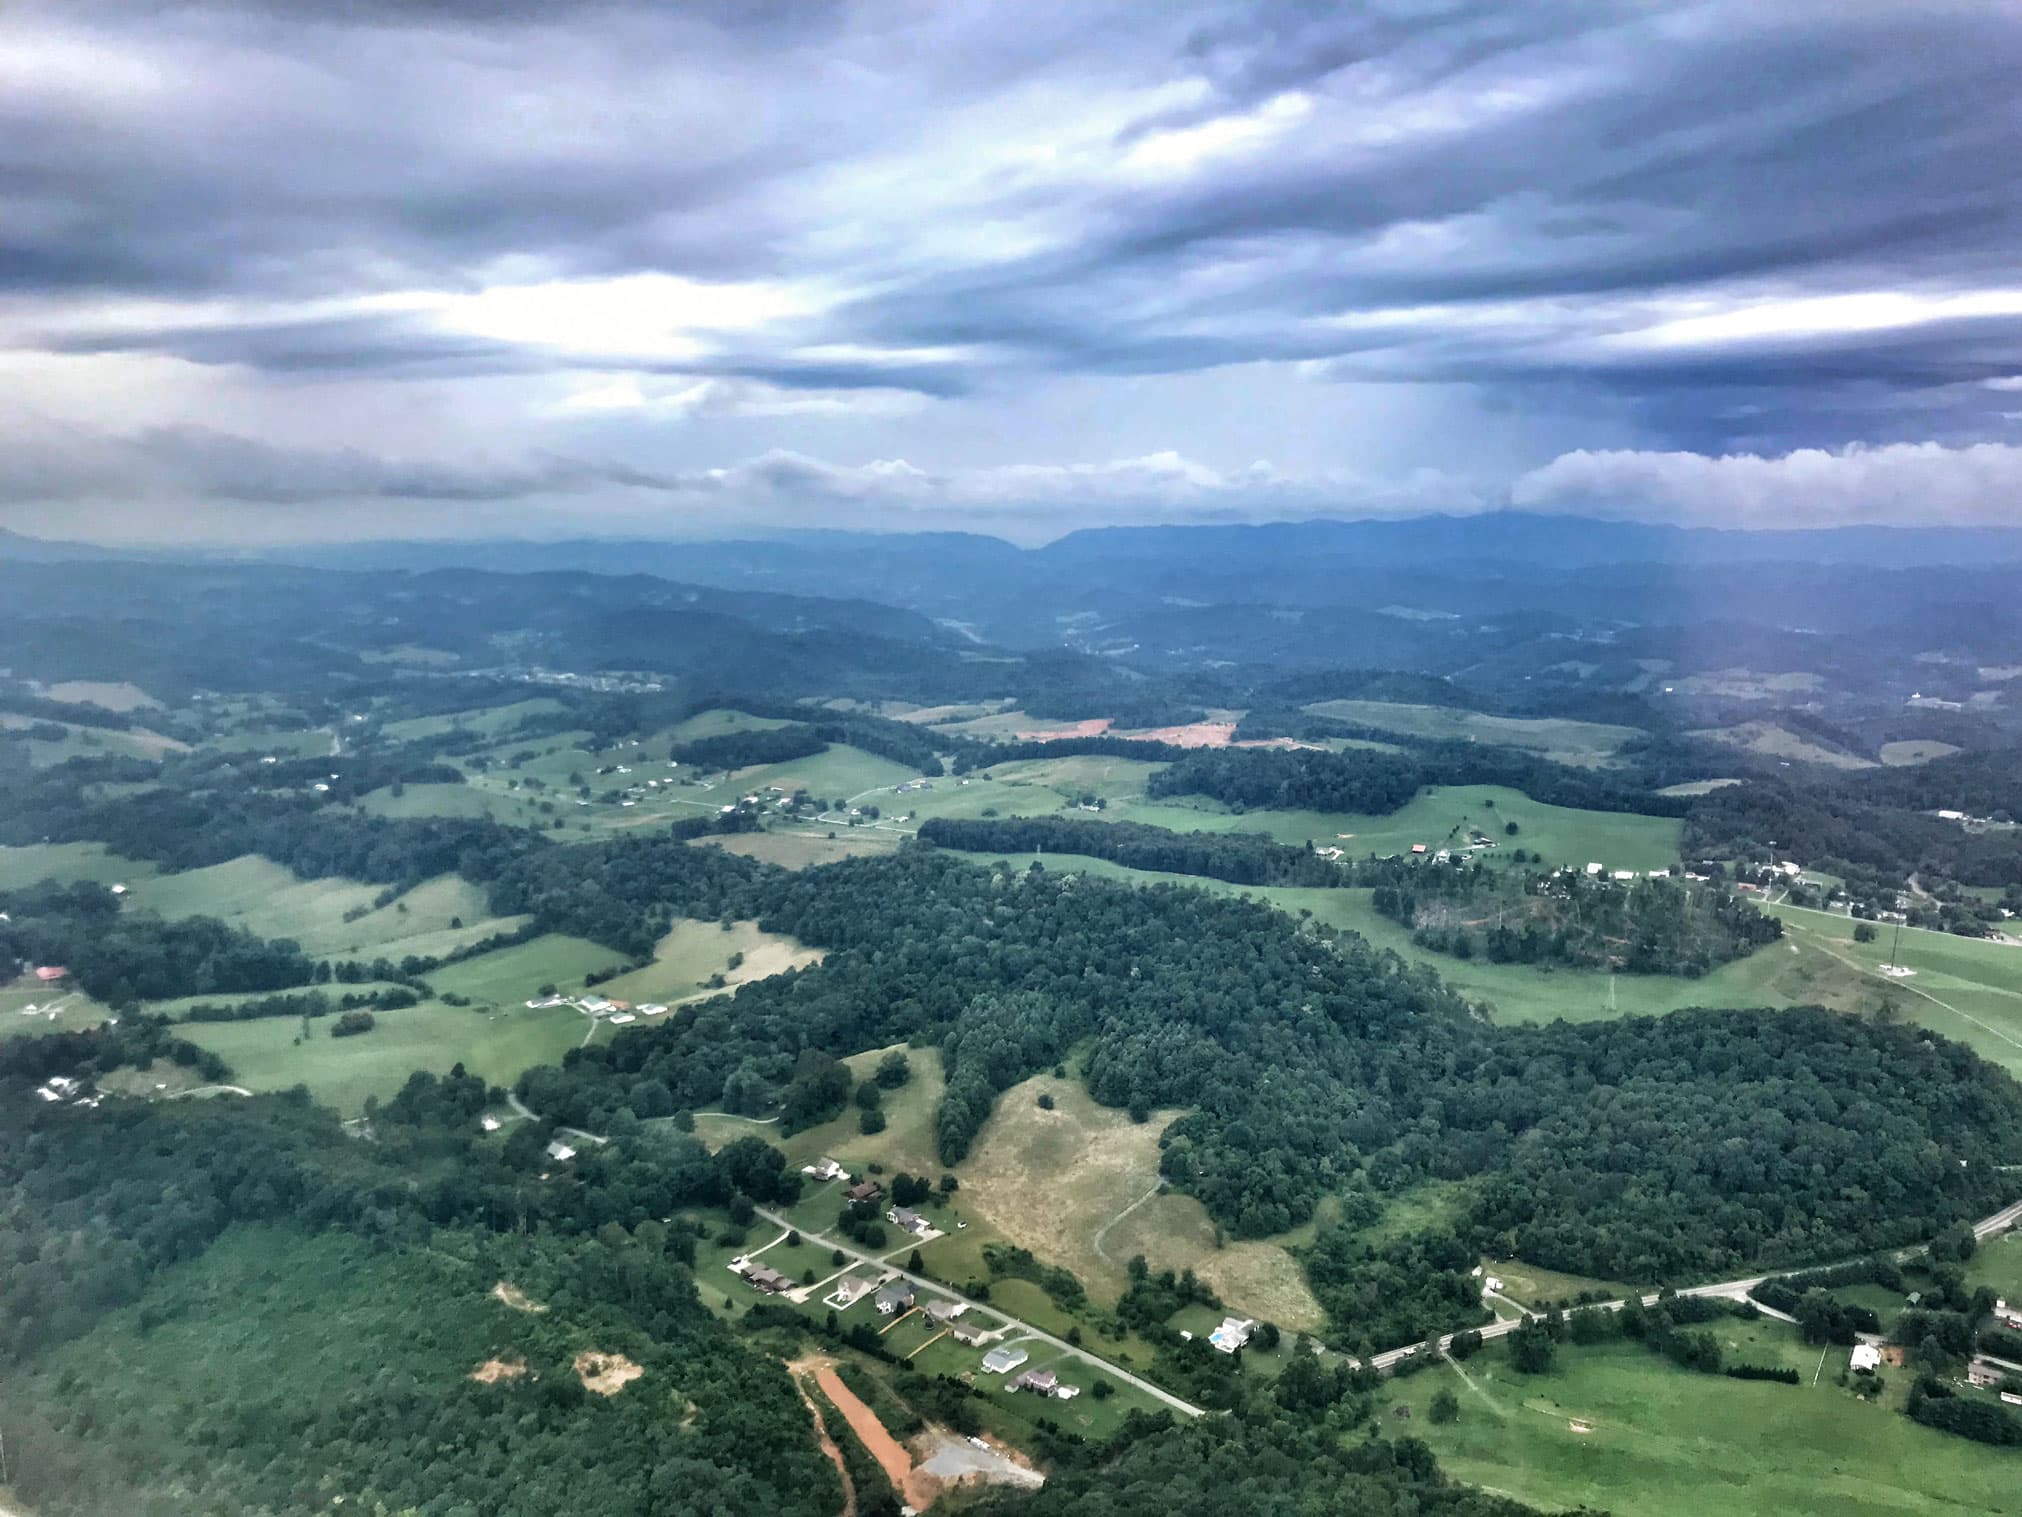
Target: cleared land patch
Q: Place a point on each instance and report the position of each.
(605, 1374)
(1079, 1186)
(692, 953)
(1780, 742)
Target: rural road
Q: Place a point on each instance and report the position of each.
(1025, 1329)
(1733, 1290)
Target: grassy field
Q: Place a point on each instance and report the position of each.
(1781, 742)
(1914, 751)
(295, 742)
(68, 862)
(692, 952)
(273, 1054)
(1966, 988)
(1667, 1442)
(107, 695)
(1569, 742)
(489, 720)
(510, 976)
(716, 723)
(841, 773)
(81, 741)
(1079, 1186)
(804, 847)
(55, 1011)
(435, 918)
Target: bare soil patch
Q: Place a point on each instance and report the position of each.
(605, 1374)
(494, 1370)
(917, 1487)
(516, 1298)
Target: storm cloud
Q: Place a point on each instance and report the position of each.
(1023, 267)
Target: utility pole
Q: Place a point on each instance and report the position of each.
(1895, 944)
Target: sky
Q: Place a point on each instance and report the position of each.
(276, 271)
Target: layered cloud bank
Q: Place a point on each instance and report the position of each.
(1707, 256)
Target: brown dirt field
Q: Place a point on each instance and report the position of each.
(1193, 735)
(494, 1370)
(605, 1374)
(825, 1442)
(516, 1298)
(917, 1487)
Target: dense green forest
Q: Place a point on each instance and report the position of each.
(1636, 1149)
(1643, 926)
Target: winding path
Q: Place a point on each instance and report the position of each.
(1103, 1231)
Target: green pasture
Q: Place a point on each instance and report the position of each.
(692, 953)
(435, 918)
(275, 1053)
(1568, 742)
(68, 863)
(1668, 1442)
(1969, 989)
(491, 721)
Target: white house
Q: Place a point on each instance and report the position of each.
(1866, 1359)
(1232, 1334)
(560, 1152)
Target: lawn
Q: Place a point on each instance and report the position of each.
(1668, 1442)
(692, 952)
(1569, 742)
(272, 1054)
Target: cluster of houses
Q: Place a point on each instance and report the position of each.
(606, 1008)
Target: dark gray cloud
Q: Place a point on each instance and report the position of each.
(1703, 225)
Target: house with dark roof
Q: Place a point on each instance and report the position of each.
(864, 1190)
(895, 1296)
